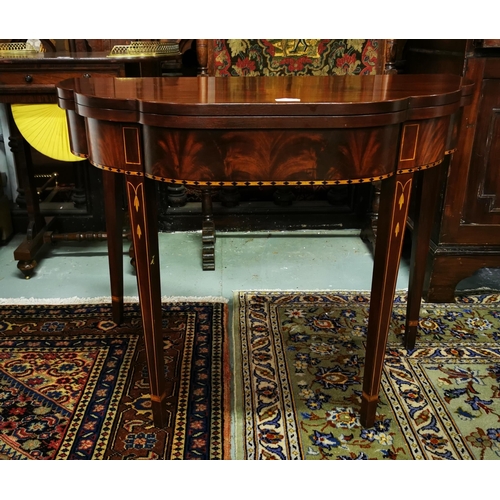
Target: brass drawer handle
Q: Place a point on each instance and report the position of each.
(86, 75)
(28, 78)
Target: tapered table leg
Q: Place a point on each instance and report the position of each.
(144, 221)
(393, 211)
(427, 196)
(114, 226)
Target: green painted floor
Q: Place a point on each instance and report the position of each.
(327, 260)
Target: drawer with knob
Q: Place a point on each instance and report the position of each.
(30, 76)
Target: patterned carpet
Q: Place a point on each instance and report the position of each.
(73, 384)
(298, 361)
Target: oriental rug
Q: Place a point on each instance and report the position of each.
(298, 367)
(74, 385)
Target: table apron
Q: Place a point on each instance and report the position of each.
(281, 155)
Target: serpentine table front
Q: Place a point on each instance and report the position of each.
(317, 130)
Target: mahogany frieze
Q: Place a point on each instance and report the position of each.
(270, 156)
(424, 143)
(115, 146)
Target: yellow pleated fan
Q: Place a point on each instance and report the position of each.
(44, 127)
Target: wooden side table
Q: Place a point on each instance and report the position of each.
(209, 131)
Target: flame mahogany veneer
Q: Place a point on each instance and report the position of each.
(241, 131)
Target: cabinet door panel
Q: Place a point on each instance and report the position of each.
(483, 187)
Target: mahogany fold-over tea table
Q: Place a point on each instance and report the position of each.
(317, 130)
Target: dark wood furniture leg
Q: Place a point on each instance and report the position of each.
(394, 200)
(141, 196)
(426, 197)
(208, 231)
(26, 252)
(449, 266)
(112, 184)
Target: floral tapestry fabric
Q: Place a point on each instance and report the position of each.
(273, 57)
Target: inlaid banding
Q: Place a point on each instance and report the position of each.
(131, 145)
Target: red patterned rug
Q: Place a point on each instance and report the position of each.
(73, 384)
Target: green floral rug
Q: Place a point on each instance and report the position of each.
(298, 369)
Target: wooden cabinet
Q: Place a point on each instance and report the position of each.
(466, 236)
(31, 79)
(29, 75)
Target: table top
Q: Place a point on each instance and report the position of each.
(243, 130)
(266, 96)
